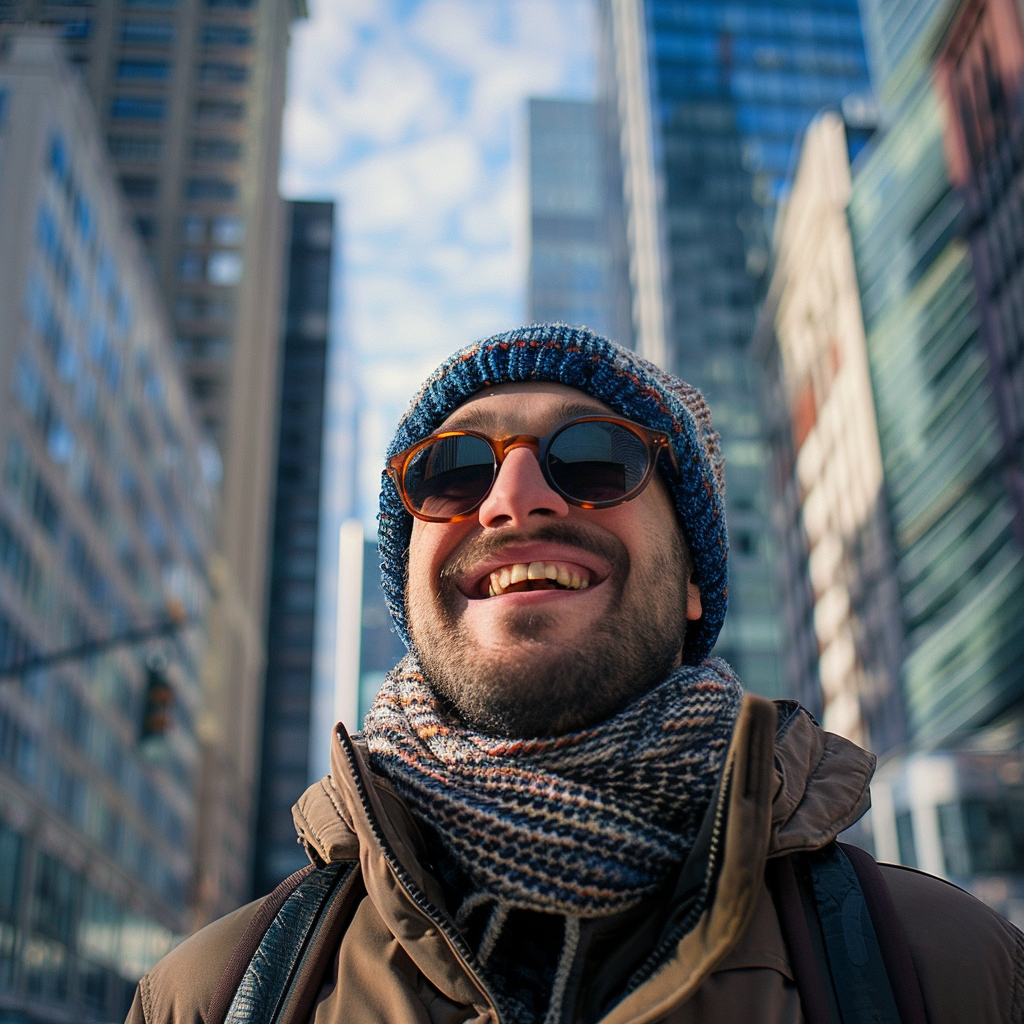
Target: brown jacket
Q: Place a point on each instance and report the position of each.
(397, 965)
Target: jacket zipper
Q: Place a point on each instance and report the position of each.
(663, 950)
(455, 940)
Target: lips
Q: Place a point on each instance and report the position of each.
(532, 567)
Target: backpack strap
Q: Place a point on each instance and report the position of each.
(849, 952)
(892, 939)
(808, 972)
(276, 969)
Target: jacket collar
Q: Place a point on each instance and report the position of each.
(789, 786)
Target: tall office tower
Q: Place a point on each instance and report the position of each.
(571, 270)
(961, 571)
(843, 621)
(190, 95)
(711, 98)
(106, 518)
(981, 71)
(284, 767)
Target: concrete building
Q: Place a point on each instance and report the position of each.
(294, 556)
(107, 516)
(572, 274)
(710, 101)
(189, 95)
(843, 621)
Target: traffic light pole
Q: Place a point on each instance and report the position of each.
(84, 650)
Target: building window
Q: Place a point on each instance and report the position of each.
(216, 149)
(146, 227)
(219, 110)
(77, 29)
(135, 148)
(135, 187)
(141, 108)
(147, 33)
(233, 5)
(227, 230)
(190, 266)
(224, 267)
(152, 5)
(226, 35)
(147, 70)
(211, 188)
(223, 74)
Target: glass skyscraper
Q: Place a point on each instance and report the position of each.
(961, 573)
(711, 101)
(571, 270)
(293, 558)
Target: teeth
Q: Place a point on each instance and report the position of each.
(517, 576)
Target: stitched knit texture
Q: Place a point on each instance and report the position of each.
(583, 824)
(633, 387)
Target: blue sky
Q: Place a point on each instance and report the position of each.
(411, 114)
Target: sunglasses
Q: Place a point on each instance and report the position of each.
(592, 462)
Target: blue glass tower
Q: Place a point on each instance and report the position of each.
(712, 100)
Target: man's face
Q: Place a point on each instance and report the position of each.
(531, 662)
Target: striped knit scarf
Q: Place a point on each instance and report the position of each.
(585, 824)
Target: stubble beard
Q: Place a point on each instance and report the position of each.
(549, 687)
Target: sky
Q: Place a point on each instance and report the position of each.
(411, 115)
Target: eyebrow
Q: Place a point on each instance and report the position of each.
(479, 417)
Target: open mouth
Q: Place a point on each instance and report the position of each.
(520, 576)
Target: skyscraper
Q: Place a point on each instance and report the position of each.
(293, 567)
(571, 269)
(106, 516)
(189, 96)
(710, 100)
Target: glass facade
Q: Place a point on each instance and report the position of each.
(731, 88)
(961, 574)
(570, 260)
(293, 559)
(106, 520)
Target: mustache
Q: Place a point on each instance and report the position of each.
(607, 548)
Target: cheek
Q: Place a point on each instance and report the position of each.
(430, 546)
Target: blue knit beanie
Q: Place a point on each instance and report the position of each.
(631, 386)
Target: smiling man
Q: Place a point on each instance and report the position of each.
(561, 809)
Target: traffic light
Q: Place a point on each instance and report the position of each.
(159, 707)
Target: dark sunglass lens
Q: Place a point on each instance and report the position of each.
(595, 462)
(449, 477)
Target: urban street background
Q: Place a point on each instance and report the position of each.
(237, 234)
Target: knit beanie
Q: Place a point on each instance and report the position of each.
(634, 388)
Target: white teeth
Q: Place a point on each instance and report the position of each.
(501, 579)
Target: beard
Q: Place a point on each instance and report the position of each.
(550, 688)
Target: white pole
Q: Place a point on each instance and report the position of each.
(349, 624)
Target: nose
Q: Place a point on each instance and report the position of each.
(519, 492)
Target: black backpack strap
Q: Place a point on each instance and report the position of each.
(245, 948)
(277, 968)
(892, 939)
(849, 953)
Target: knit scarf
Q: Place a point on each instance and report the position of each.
(585, 824)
